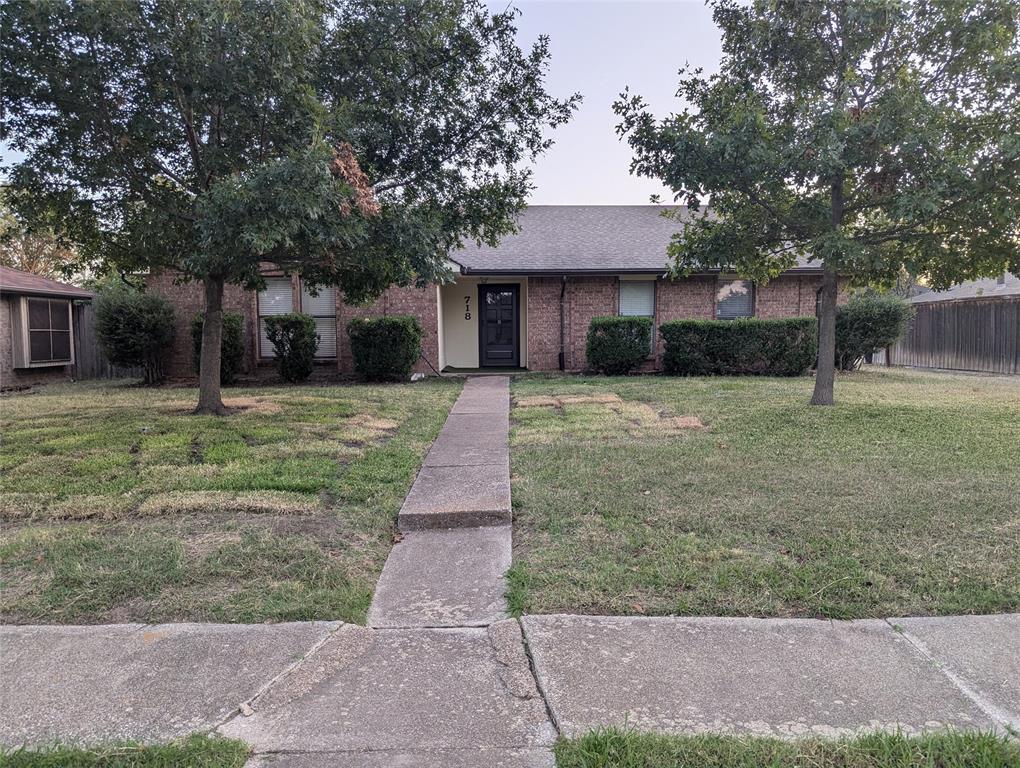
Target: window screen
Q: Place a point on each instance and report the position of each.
(322, 308)
(49, 331)
(733, 299)
(276, 299)
(637, 298)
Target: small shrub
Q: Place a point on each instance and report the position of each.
(749, 346)
(385, 348)
(135, 329)
(294, 340)
(618, 345)
(231, 345)
(868, 323)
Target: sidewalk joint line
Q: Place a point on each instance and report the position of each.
(988, 708)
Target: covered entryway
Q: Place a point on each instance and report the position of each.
(483, 323)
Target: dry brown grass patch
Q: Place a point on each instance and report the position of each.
(259, 405)
(199, 502)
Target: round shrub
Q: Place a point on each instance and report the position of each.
(618, 345)
(294, 340)
(231, 345)
(750, 346)
(868, 323)
(135, 329)
(385, 348)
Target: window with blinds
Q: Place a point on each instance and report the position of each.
(637, 298)
(734, 299)
(276, 299)
(322, 308)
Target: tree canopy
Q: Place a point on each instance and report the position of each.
(356, 142)
(872, 135)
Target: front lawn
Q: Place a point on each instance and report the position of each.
(903, 499)
(119, 505)
(617, 749)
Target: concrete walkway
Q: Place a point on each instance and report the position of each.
(449, 568)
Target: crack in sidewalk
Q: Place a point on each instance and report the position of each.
(533, 667)
(247, 707)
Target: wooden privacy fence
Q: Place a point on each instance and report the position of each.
(89, 360)
(969, 335)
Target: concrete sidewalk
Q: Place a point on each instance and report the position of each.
(327, 694)
(449, 568)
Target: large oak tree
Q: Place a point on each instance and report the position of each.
(353, 141)
(873, 135)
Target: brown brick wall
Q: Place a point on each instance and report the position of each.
(587, 298)
(787, 297)
(544, 323)
(188, 300)
(11, 378)
(421, 303)
(691, 298)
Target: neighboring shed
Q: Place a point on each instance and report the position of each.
(37, 328)
(974, 326)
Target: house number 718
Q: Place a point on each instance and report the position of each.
(467, 307)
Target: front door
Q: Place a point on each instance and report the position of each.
(499, 331)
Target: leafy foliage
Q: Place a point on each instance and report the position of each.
(872, 136)
(385, 348)
(135, 329)
(231, 345)
(294, 340)
(618, 345)
(355, 142)
(39, 252)
(784, 347)
(867, 323)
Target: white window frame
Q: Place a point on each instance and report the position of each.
(322, 288)
(21, 332)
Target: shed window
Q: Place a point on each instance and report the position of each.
(734, 299)
(637, 298)
(322, 308)
(49, 330)
(276, 299)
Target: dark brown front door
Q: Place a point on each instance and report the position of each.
(499, 326)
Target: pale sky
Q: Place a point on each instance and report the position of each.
(598, 48)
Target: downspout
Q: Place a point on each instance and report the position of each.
(563, 293)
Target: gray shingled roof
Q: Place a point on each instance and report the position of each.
(987, 288)
(583, 238)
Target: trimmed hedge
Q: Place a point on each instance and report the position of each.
(867, 323)
(135, 329)
(231, 345)
(294, 340)
(750, 346)
(618, 345)
(385, 348)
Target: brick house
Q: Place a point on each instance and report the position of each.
(37, 329)
(540, 288)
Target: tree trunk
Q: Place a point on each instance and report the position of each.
(209, 400)
(826, 372)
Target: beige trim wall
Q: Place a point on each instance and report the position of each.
(458, 333)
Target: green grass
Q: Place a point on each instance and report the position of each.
(903, 499)
(194, 752)
(619, 749)
(119, 505)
